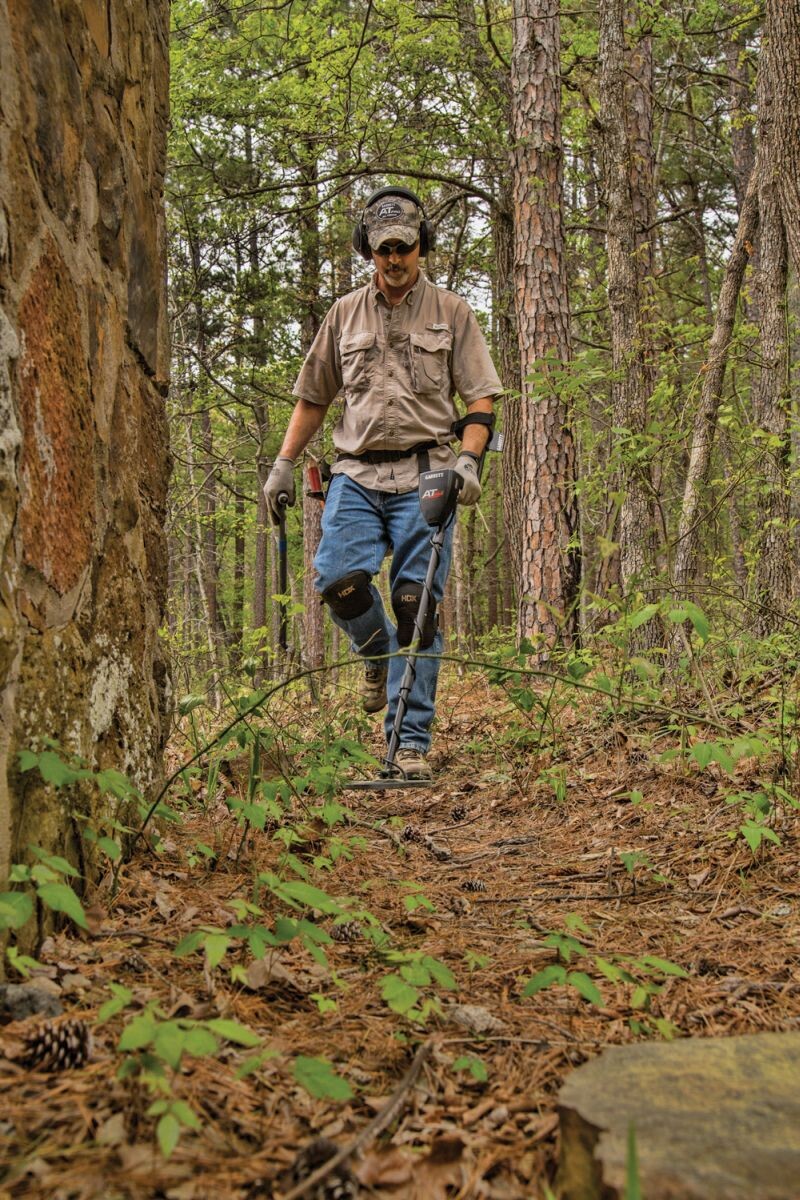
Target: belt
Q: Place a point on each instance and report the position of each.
(373, 457)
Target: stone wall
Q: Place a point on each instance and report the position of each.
(83, 377)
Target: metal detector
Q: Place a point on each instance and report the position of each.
(283, 578)
(438, 497)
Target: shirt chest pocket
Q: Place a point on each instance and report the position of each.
(429, 360)
(356, 350)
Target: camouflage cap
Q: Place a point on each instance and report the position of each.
(392, 217)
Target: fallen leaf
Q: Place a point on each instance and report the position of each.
(696, 881)
(474, 1019)
(386, 1170)
(270, 972)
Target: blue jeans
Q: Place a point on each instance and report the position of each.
(359, 527)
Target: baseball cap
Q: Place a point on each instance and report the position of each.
(392, 217)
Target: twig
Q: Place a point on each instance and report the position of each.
(371, 1130)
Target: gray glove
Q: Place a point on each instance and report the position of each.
(467, 470)
(280, 482)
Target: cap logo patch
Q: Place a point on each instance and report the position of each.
(388, 210)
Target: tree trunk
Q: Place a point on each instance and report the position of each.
(545, 510)
(773, 573)
(782, 30)
(625, 184)
(713, 375)
(309, 304)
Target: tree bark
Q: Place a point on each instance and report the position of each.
(309, 304)
(627, 177)
(783, 33)
(773, 573)
(713, 376)
(545, 509)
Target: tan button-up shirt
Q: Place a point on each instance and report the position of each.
(399, 368)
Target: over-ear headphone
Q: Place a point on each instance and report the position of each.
(427, 233)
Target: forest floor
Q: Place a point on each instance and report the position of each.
(636, 858)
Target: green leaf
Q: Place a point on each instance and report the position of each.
(188, 944)
(586, 987)
(702, 753)
(441, 973)
(23, 963)
(399, 995)
(699, 620)
(186, 1115)
(138, 1033)
(216, 947)
(200, 1041)
(55, 862)
(168, 1132)
(546, 978)
(318, 1077)
(663, 965)
(121, 998)
(302, 893)
(642, 616)
(110, 848)
(475, 1066)
(255, 1063)
(116, 783)
(168, 1043)
(609, 969)
(416, 974)
(53, 769)
(188, 703)
(16, 908)
(232, 1031)
(60, 898)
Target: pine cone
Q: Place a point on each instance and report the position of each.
(57, 1045)
(348, 931)
(339, 1185)
(473, 885)
(412, 834)
(459, 812)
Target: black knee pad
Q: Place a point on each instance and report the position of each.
(350, 596)
(405, 602)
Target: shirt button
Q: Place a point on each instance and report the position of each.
(390, 403)
(390, 374)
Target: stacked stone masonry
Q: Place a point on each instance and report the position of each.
(84, 360)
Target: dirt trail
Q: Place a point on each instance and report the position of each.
(630, 856)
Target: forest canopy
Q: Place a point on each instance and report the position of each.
(643, 333)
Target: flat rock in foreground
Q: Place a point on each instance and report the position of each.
(714, 1120)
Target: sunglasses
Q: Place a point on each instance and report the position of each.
(400, 248)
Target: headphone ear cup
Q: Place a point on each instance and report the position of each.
(427, 238)
(360, 242)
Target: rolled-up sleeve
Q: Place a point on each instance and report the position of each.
(320, 377)
(473, 372)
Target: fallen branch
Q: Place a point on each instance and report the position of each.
(378, 1123)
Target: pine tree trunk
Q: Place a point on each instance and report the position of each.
(236, 631)
(782, 31)
(309, 305)
(544, 511)
(626, 182)
(771, 399)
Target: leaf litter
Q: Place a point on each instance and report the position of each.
(583, 862)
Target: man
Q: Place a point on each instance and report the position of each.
(399, 348)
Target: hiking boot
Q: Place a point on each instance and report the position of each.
(412, 763)
(373, 689)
